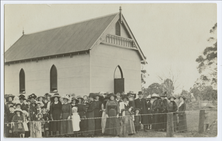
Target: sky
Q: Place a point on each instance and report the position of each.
(171, 36)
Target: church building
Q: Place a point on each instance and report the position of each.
(99, 54)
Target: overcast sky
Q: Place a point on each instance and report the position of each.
(171, 36)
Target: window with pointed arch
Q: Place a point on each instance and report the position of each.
(21, 81)
(118, 29)
(53, 79)
(118, 72)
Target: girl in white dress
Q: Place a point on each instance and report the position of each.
(75, 120)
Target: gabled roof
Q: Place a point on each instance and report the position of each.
(62, 40)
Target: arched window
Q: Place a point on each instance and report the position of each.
(118, 29)
(21, 81)
(118, 72)
(53, 79)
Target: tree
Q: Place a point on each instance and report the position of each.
(154, 88)
(208, 60)
(187, 95)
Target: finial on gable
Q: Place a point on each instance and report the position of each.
(120, 14)
(23, 32)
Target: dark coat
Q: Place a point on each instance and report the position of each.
(90, 114)
(142, 105)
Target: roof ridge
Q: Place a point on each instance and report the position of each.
(72, 24)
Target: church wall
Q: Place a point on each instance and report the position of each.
(73, 75)
(103, 61)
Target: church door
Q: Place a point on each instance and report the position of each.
(118, 80)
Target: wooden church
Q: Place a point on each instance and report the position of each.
(96, 55)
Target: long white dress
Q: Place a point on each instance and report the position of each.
(75, 121)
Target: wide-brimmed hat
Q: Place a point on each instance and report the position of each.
(155, 95)
(16, 104)
(56, 95)
(92, 95)
(66, 97)
(163, 95)
(22, 97)
(149, 96)
(9, 95)
(111, 94)
(40, 97)
(47, 94)
(125, 97)
(32, 96)
(140, 93)
(77, 100)
(79, 97)
(18, 110)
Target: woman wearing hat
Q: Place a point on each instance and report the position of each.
(112, 111)
(17, 120)
(182, 125)
(66, 124)
(128, 127)
(74, 102)
(163, 116)
(22, 101)
(32, 107)
(55, 114)
(149, 111)
(98, 114)
(82, 109)
(172, 107)
(156, 109)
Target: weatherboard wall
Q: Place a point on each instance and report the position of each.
(103, 61)
(73, 75)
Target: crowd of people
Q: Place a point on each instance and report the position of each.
(95, 114)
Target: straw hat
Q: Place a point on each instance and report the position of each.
(32, 96)
(22, 97)
(155, 95)
(18, 110)
(149, 96)
(9, 95)
(47, 94)
(56, 95)
(66, 97)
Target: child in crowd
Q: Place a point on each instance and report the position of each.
(137, 121)
(25, 123)
(17, 123)
(40, 125)
(46, 123)
(75, 120)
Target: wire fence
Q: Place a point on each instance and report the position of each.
(182, 122)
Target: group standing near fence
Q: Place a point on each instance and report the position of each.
(96, 114)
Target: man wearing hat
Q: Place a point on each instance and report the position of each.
(164, 106)
(22, 101)
(90, 114)
(141, 104)
(172, 107)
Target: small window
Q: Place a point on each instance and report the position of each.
(118, 29)
(21, 81)
(53, 79)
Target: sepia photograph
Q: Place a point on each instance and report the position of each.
(124, 70)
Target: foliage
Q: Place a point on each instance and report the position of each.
(208, 61)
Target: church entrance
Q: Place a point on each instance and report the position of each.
(118, 80)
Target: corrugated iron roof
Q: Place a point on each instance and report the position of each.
(62, 40)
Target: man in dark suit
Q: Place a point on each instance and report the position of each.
(140, 103)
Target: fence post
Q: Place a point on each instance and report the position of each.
(170, 127)
(201, 121)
